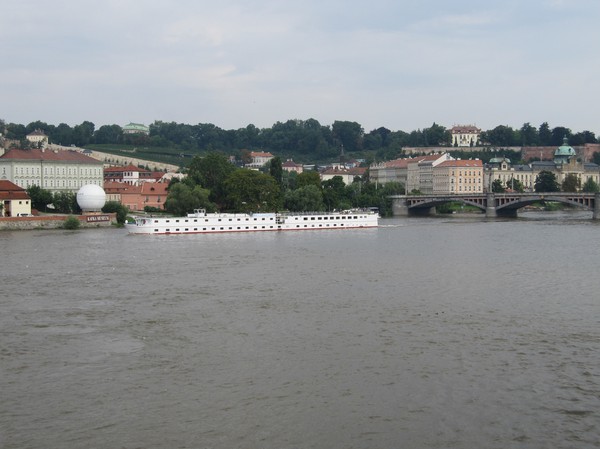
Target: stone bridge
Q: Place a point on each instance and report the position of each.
(493, 204)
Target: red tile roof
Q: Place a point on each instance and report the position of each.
(49, 155)
(462, 163)
(10, 191)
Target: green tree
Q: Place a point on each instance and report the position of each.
(304, 199)
(571, 183)
(65, 202)
(334, 194)
(546, 182)
(252, 191)
(307, 178)
(183, 198)
(515, 185)
(276, 169)
(590, 186)
(497, 186)
(545, 135)
(436, 135)
(349, 134)
(118, 208)
(211, 172)
(528, 134)
(502, 136)
(108, 134)
(40, 198)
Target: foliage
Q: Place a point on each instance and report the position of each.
(590, 186)
(571, 183)
(71, 222)
(304, 199)
(334, 194)
(515, 185)
(497, 186)
(183, 198)
(276, 169)
(546, 182)
(118, 208)
(304, 140)
(307, 178)
(252, 191)
(152, 209)
(40, 198)
(211, 172)
(65, 202)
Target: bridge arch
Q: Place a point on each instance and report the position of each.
(504, 204)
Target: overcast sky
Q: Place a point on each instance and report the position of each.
(402, 64)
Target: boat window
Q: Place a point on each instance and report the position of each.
(156, 230)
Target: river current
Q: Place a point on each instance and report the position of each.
(424, 333)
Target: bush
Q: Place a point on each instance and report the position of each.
(71, 223)
(118, 208)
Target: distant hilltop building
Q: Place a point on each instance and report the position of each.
(259, 158)
(38, 138)
(136, 128)
(465, 135)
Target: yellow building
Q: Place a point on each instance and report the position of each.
(14, 200)
(458, 176)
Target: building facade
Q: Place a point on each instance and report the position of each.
(465, 135)
(38, 138)
(131, 174)
(458, 176)
(14, 200)
(56, 171)
(136, 128)
(259, 159)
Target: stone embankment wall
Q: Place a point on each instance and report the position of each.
(55, 222)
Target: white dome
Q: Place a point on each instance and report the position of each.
(91, 197)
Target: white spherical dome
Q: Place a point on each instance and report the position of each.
(91, 197)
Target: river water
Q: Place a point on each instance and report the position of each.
(423, 333)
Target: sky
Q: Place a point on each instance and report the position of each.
(400, 64)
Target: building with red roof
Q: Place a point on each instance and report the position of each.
(14, 200)
(131, 174)
(151, 194)
(54, 170)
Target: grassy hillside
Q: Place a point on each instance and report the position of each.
(167, 155)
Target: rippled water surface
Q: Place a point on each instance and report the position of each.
(424, 333)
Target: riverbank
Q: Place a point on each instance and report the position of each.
(55, 221)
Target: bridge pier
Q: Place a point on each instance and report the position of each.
(400, 207)
(490, 207)
(596, 213)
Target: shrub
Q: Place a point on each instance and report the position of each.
(71, 223)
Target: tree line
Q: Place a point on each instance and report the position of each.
(214, 184)
(303, 140)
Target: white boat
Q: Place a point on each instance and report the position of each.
(201, 222)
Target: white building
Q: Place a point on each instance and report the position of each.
(465, 135)
(259, 159)
(38, 138)
(51, 170)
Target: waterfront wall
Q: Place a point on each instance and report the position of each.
(55, 221)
